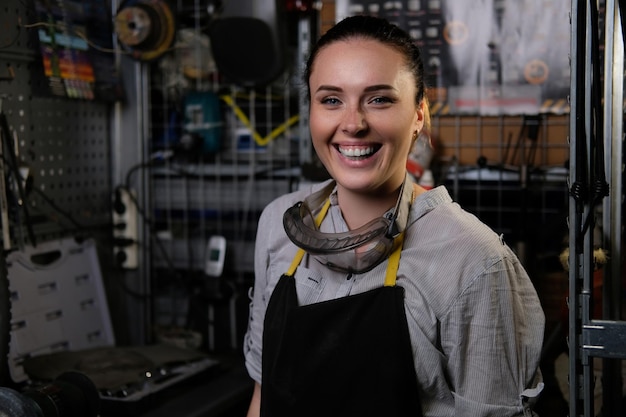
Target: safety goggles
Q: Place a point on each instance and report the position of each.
(355, 251)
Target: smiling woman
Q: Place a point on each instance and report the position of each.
(371, 115)
(378, 297)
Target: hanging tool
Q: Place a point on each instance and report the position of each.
(530, 131)
(8, 146)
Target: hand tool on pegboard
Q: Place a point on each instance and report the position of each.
(8, 146)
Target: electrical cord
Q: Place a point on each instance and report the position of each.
(78, 227)
(7, 144)
(598, 187)
(147, 220)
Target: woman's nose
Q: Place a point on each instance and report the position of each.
(354, 121)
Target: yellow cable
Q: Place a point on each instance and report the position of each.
(261, 141)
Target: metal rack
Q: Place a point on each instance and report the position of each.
(596, 180)
(201, 192)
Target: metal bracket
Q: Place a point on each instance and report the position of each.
(604, 339)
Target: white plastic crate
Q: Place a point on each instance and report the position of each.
(58, 302)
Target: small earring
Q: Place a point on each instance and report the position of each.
(415, 135)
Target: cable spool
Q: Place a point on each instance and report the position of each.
(146, 28)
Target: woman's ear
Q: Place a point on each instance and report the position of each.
(420, 119)
(424, 114)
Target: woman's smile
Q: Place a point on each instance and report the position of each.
(357, 153)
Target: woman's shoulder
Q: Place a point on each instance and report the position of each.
(452, 240)
(444, 218)
(448, 250)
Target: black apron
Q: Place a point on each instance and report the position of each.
(346, 357)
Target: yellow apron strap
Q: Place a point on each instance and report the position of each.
(300, 254)
(295, 262)
(394, 259)
(394, 263)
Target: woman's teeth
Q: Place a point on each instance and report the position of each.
(353, 152)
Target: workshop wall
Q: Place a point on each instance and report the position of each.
(60, 145)
(223, 143)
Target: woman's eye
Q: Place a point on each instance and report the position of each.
(330, 100)
(381, 100)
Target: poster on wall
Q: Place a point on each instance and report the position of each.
(485, 57)
(75, 41)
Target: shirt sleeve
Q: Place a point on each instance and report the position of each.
(253, 339)
(492, 338)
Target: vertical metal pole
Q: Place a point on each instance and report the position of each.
(586, 237)
(573, 218)
(304, 42)
(612, 221)
(129, 146)
(579, 95)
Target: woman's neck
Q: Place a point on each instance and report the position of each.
(359, 208)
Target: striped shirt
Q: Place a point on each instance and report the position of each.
(475, 320)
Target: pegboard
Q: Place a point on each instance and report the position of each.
(61, 144)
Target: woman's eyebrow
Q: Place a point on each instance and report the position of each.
(328, 88)
(377, 87)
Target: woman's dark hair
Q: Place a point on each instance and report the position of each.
(375, 28)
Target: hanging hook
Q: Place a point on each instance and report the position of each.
(10, 76)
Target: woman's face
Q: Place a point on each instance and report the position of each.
(363, 114)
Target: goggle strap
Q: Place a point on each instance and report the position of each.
(300, 254)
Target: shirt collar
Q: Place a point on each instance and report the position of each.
(404, 204)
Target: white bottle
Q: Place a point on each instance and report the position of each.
(214, 257)
(427, 180)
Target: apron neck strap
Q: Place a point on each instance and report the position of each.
(394, 262)
(394, 259)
